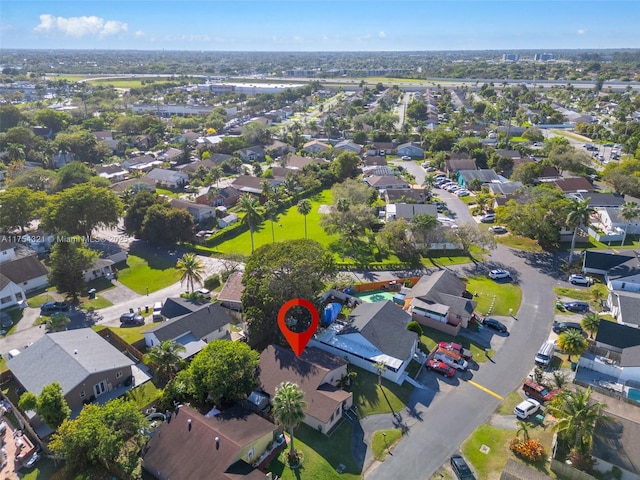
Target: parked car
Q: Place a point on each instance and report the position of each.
(451, 358)
(559, 327)
(205, 293)
(577, 307)
(441, 368)
(577, 279)
(50, 307)
(456, 347)
(430, 169)
(5, 321)
(488, 218)
(426, 164)
(131, 319)
(498, 229)
(499, 274)
(539, 392)
(406, 157)
(463, 193)
(460, 468)
(494, 324)
(32, 460)
(525, 409)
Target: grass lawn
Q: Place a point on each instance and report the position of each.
(322, 455)
(583, 295)
(48, 295)
(146, 268)
(370, 398)
(382, 441)
(574, 136)
(431, 337)
(144, 394)
(42, 470)
(444, 260)
(129, 334)
(519, 243)
(508, 296)
(130, 83)
(509, 403)
(168, 193)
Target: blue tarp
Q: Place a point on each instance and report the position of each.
(331, 312)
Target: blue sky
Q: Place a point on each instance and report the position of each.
(329, 25)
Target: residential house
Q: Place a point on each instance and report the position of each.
(231, 294)
(510, 154)
(60, 159)
(227, 220)
(26, 271)
(168, 178)
(219, 197)
(84, 364)
(143, 163)
(410, 149)
(455, 165)
(107, 137)
(317, 373)
(215, 160)
(7, 250)
(178, 306)
(505, 188)
(281, 173)
(375, 332)
(374, 161)
(389, 148)
(403, 195)
(101, 268)
(252, 154)
(616, 337)
(112, 172)
(251, 184)
(279, 149)
(386, 182)
(395, 211)
(441, 301)
(378, 171)
(348, 146)
(199, 212)
(109, 250)
(486, 176)
(171, 155)
(296, 162)
(611, 221)
(11, 295)
(193, 330)
(221, 445)
(515, 470)
(600, 200)
(574, 184)
(316, 146)
(617, 445)
(135, 184)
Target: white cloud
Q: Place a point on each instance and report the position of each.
(382, 35)
(80, 26)
(139, 34)
(582, 31)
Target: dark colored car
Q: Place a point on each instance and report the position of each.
(460, 468)
(441, 368)
(54, 307)
(577, 307)
(539, 392)
(131, 319)
(5, 320)
(559, 327)
(494, 324)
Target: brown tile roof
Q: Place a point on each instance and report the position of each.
(279, 365)
(296, 161)
(454, 165)
(233, 288)
(23, 269)
(180, 453)
(370, 161)
(573, 184)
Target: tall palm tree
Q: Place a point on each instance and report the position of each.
(216, 174)
(288, 409)
(271, 213)
(166, 357)
(598, 293)
(628, 212)
(523, 427)
(578, 418)
(267, 188)
(572, 342)
(252, 215)
(191, 269)
(304, 208)
(590, 323)
(429, 182)
(381, 367)
(579, 214)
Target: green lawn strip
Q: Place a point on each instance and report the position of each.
(45, 468)
(574, 136)
(431, 337)
(48, 295)
(370, 398)
(144, 394)
(130, 334)
(583, 295)
(519, 243)
(438, 259)
(507, 295)
(509, 403)
(95, 303)
(155, 274)
(322, 455)
(382, 441)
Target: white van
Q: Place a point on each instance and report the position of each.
(13, 353)
(545, 354)
(157, 312)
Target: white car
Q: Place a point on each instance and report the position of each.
(405, 157)
(525, 409)
(499, 274)
(577, 279)
(462, 193)
(460, 364)
(205, 293)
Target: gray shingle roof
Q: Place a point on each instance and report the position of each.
(630, 357)
(619, 444)
(604, 199)
(23, 269)
(514, 470)
(487, 176)
(67, 357)
(200, 323)
(176, 307)
(617, 335)
(384, 325)
(604, 260)
(442, 281)
(629, 307)
(162, 175)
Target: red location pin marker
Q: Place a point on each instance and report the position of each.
(298, 341)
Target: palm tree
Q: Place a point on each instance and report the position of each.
(590, 323)
(252, 216)
(628, 212)
(572, 342)
(216, 174)
(429, 182)
(598, 293)
(381, 367)
(578, 418)
(267, 188)
(523, 427)
(271, 213)
(578, 215)
(191, 269)
(304, 208)
(166, 357)
(288, 409)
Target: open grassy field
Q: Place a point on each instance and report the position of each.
(130, 82)
(507, 295)
(370, 398)
(571, 135)
(129, 334)
(150, 268)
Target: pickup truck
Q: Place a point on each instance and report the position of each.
(457, 348)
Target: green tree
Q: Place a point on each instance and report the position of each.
(304, 208)
(72, 174)
(579, 214)
(422, 225)
(572, 342)
(164, 224)
(103, 438)
(216, 174)
(50, 404)
(69, 260)
(271, 213)
(345, 165)
(628, 212)
(57, 322)
(53, 119)
(19, 207)
(429, 183)
(288, 410)
(275, 274)
(467, 235)
(590, 323)
(37, 179)
(191, 270)
(166, 358)
(137, 210)
(394, 236)
(250, 206)
(222, 370)
(598, 294)
(10, 116)
(523, 427)
(381, 367)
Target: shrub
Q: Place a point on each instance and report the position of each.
(414, 326)
(212, 282)
(529, 450)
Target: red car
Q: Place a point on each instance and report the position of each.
(456, 347)
(540, 393)
(441, 368)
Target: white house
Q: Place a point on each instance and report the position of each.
(11, 294)
(199, 211)
(102, 267)
(7, 250)
(26, 272)
(348, 146)
(168, 178)
(612, 221)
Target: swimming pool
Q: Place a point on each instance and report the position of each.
(375, 296)
(634, 394)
